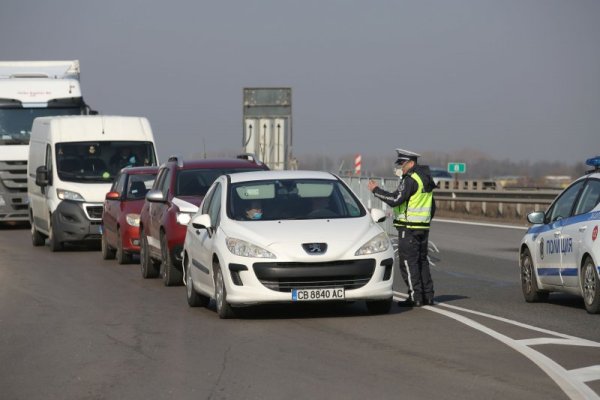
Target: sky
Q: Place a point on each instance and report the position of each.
(514, 79)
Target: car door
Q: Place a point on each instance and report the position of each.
(205, 240)
(575, 230)
(550, 243)
(157, 211)
(112, 209)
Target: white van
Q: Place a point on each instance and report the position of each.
(72, 163)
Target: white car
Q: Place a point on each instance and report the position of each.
(286, 236)
(561, 251)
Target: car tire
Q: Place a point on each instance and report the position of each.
(55, 244)
(590, 285)
(224, 310)
(377, 307)
(37, 239)
(122, 256)
(531, 292)
(170, 274)
(108, 253)
(194, 298)
(148, 267)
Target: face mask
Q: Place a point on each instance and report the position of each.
(257, 215)
(398, 172)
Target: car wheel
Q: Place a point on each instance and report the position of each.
(590, 285)
(55, 244)
(194, 298)
(122, 256)
(37, 239)
(223, 308)
(108, 253)
(531, 292)
(148, 266)
(170, 274)
(379, 306)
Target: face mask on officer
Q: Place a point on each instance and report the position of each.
(398, 167)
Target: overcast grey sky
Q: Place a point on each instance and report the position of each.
(516, 79)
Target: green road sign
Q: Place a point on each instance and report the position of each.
(457, 168)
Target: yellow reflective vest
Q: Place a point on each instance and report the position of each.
(416, 212)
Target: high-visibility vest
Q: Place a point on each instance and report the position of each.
(416, 212)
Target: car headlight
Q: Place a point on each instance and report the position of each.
(378, 244)
(68, 195)
(183, 218)
(245, 249)
(133, 219)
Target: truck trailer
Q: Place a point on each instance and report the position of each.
(30, 89)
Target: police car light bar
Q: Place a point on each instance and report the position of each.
(593, 162)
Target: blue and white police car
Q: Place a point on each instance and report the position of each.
(561, 251)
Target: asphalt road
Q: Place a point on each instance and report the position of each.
(73, 326)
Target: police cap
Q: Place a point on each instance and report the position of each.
(405, 155)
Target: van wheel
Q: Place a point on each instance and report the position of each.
(170, 274)
(108, 253)
(223, 308)
(55, 245)
(37, 239)
(529, 281)
(194, 298)
(590, 285)
(122, 256)
(148, 265)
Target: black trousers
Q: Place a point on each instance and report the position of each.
(414, 265)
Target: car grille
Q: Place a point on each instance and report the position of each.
(94, 212)
(283, 277)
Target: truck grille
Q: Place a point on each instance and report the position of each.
(13, 175)
(283, 277)
(94, 212)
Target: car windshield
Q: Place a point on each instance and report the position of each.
(100, 161)
(138, 185)
(292, 199)
(15, 123)
(440, 173)
(195, 182)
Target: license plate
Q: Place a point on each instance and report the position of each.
(318, 294)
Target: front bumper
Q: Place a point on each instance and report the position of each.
(265, 282)
(74, 222)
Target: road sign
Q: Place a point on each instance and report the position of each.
(457, 168)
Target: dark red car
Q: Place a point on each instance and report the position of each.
(121, 213)
(177, 192)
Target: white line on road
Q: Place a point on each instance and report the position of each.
(572, 382)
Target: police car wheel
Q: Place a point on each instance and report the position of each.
(529, 281)
(590, 285)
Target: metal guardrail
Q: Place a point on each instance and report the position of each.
(463, 196)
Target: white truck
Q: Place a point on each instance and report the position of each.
(30, 89)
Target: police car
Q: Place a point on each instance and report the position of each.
(561, 251)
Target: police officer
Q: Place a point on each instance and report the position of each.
(413, 209)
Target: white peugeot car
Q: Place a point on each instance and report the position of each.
(561, 251)
(286, 236)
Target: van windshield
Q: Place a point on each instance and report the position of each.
(99, 161)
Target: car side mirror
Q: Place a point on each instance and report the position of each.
(41, 176)
(536, 217)
(156, 196)
(202, 221)
(113, 196)
(377, 215)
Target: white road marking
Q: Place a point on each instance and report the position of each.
(572, 382)
(452, 221)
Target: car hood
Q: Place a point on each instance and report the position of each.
(285, 237)
(188, 203)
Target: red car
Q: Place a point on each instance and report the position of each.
(177, 192)
(121, 213)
